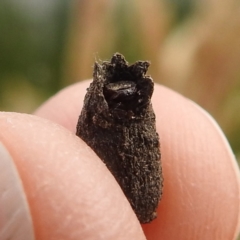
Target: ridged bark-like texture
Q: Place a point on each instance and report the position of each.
(117, 121)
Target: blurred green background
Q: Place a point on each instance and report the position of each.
(194, 48)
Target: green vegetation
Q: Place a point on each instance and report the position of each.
(193, 46)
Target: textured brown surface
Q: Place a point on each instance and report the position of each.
(118, 123)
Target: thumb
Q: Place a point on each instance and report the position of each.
(15, 220)
(69, 191)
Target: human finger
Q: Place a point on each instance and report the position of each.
(70, 192)
(201, 178)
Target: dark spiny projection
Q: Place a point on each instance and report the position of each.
(117, 121)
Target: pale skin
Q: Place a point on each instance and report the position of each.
(72, 195)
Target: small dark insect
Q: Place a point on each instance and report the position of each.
(117, 121)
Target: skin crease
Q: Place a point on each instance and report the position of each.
(72, 195)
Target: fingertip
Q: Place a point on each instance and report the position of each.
(64, 107)
(15, 220)
(201, 178)
(70, 192)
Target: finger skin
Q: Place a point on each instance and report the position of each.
(202, 188)
(64, 108)
(201, 194)
(15, 218)
(71, 193)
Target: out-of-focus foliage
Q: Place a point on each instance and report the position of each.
(32, 35)
(194, 47)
